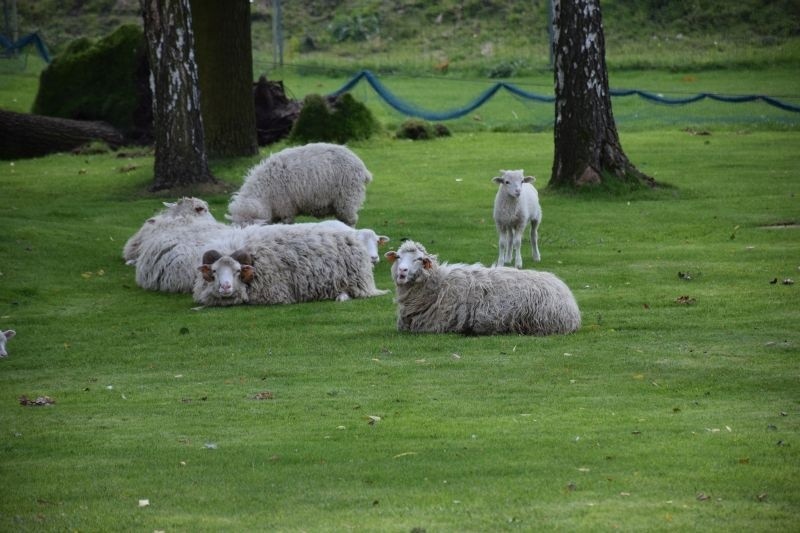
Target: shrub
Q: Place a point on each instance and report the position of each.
(338, 120)
(420, 130)
(99, 81)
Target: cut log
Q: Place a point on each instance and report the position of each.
(23, 135)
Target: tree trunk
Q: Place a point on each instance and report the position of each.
(225, 65)
(587, 147)
(180, 153)
(23, 135)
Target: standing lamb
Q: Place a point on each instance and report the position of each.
(4, 337)
(474, 299)
(295, 265)
(317, 179)
(185, 207)
(516, 204)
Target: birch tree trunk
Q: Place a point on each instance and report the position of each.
(587, 146)
(180, 153)
(225, 64)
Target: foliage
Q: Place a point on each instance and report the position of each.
(342, 120)
(420, 130)
(96, 80)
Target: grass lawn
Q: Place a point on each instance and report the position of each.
(656, 415)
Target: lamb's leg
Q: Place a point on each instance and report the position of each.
(501, 247)
(535, 240)
(518, 248)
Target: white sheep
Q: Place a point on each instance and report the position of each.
(473, 299)
(516, 204)
(185, 207)
(294, 265)
(168, 247)
(367, 237)
(317, 179)
(4, 337)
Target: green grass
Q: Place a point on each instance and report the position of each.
(630, 424)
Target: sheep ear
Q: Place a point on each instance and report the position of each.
(427, 264)
(383, 239)
(498, 179)
(207, 273)
(169, 204)
(247, 274)
(242, 257)
(210, 257)
(529, 179)
(9, 333)
(391, 256)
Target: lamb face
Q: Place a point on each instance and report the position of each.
(511, 181)
(5, 336)
(371, 241)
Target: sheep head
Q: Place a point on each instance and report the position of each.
(511, 181)
(4, 336)
(410, 262)
(227, 272)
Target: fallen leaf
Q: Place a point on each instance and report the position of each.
(372, 420)
(685, 300)
(144, 503)
(264, 395)
(788, 281)
(702, 496)
(761, 497)
(41, 400)
(404, 454)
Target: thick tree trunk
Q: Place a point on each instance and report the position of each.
(225, 64)
(180, 153)
(587, 147)
(23, 135)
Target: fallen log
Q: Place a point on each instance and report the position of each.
(24, 135)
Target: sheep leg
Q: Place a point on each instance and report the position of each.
(502, 247)
(535, 240)
(517, 243)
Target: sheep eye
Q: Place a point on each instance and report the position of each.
(506, 182)
(199, 209)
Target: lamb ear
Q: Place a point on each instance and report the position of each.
(383, 239)
(498, 179)
(427, 264)
(9, 333)
(391, 256)
(208, 274)
(210, 257)
(169, 204)
(529, 179)
(242, 257)
(247, 274)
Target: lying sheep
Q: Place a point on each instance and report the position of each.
(185, 207)
(317, 179)
(516, 204)
(474, 299)
(4, 338)
(367, 237)
(295, 265)
(168, 247)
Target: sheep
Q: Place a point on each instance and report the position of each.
(5, 336)
(516, 204)
(294, 265)
(184, 207)
(317, 179)
(168, 247)
(367, 237)
(473, 299)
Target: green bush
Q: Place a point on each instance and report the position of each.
(420, 130)
(342, 120)
(96, 80)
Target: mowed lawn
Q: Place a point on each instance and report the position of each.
(674, 407)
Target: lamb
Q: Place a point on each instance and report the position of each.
(294, 265)
(516, 204)
(5, 336)
(317, 179)
(473, 299)
(184, 207)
